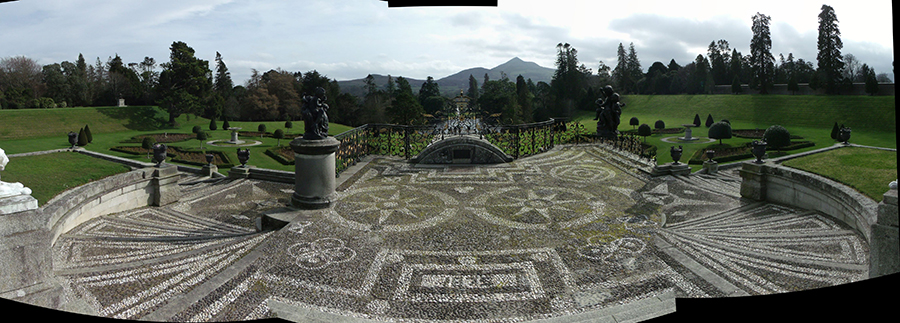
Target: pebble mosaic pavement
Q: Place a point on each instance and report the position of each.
(548, 236)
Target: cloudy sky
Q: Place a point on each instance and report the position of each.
(349, 39)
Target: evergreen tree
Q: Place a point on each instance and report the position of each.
(183, 82)
(720, 130)
(82, 138)
(709, 120)
(223, 84)
(644, 131)
(761, 60)
(633, 122)
(212, 124)
(697, 120)
(472, 93)
(829, 46)
(524, 98)
(87, 133)
(834, 131)
(279, 134)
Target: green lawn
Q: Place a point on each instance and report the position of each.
(42, 174)
(867, 170)
(809, 116)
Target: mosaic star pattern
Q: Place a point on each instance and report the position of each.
(555, 234)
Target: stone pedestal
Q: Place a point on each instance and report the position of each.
(753, 181)
(671, 169)
(242, 171)
(688, 134)
(884, 244)
(711, 166)
(17, 203)
(165, 185)
(314, 168)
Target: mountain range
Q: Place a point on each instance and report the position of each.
(451, 85)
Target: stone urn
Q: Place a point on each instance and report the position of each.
(676, 154)
(758, 150)
(73, 138)
(159, 153)
(710, 154)
(209, 159)
(844, 135)
(243, 155)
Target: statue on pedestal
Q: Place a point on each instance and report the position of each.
(314, 117)
(10, 189)
(608, 111)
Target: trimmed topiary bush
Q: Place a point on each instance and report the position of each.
(633, 122)
(212, 124)
(279, 134)
(196, 129)
(82, 138)
(777, 137)
(148, 142)
(225, 125)
(720, 130)
(644, 131)
(659, 124)
(834, 131)
(288, 124)
(87, 132)
(261, 128)
(709, 120)
(697, 120)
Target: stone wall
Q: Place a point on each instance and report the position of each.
(26, 238)
(784, 185)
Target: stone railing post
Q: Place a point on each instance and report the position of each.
(753, 180)
(165, 184)
(884, 245)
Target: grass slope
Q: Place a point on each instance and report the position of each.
(42, 174)
(867, 170)
(871, 118)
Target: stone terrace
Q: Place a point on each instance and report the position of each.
(564, 236)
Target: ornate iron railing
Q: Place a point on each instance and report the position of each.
(515, 140)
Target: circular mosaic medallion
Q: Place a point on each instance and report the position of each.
(538, 208)
(582, 173)
(392, 208)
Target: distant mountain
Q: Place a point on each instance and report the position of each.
(451, 85)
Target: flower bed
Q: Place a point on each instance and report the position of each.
(742, 152)
(179, 155)
(163, 137)
(754, 133)
(283, 155)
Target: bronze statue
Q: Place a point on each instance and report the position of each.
(314, 117)
(608, 111)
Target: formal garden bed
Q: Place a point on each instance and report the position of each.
(281, 154)
(754, 133)
(180, 155)
(725, 153)
(163, 137)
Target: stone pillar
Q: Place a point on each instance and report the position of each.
(209, 170)
(314, 170)
(165, 185)
(238, 172)
(884, 244)
(753, 181)
(711, 166)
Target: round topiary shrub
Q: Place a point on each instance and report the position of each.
(288, 124)
(633, 122)
(195, 129)
(644, 131)
(659, 125)
(777, 137)
(720, 130)
(261, 128)
(148, 142)
(279, 134)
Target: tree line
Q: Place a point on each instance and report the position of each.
(186, 85)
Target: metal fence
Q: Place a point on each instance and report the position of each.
(515, 140)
